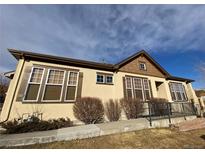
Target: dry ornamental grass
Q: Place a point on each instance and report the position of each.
(148, 138)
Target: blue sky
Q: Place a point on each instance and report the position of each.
(174, 35)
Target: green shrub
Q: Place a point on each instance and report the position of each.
(89, 110)
(113, 110)
(132, 107)
(35, 124)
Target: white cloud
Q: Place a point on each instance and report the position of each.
(96, 32)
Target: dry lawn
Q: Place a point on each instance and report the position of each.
(148, 138)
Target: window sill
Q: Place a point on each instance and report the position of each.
(104, 83)
(32, 102)
(181, 101)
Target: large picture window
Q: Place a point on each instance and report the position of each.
(177, 92)
(71, 87)
(54, 85)
(34, 84)
(138, 88)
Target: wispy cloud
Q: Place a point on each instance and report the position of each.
(96, 32)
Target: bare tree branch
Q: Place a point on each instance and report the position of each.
(4, 83)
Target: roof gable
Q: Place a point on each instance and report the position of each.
(131, 64)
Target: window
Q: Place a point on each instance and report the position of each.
(177, 92)
(71, 88)
(54, 85)
(128, 81)
(34, 84)
(104, 78)
(146, 89)
(142, 66)
(100, 78)
(137, 88)
(108, 79)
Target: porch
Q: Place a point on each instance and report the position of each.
(167, 110)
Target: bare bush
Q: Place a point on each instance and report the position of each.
(132, 107)
(89, 110)
(113, 110)
(159, 106)
(158, 100)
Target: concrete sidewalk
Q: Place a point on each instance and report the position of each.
(198, 123)
(77, 132)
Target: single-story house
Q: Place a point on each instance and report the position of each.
(51, 84)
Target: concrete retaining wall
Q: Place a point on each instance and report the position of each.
(84, 131)
(165, 122)
(70, 133)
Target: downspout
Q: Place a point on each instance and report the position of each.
(15, 90)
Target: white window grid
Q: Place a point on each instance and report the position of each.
(102, 76)
(142, 66)
(146, 87)
(146, 84)
(129, 86)
(178, 87)
(31, 82)
(36, 75)
(57, 84)
(138, 85)
(69, 84)
(56, 78)
(111, 78)
(128, 81)
(72, 78)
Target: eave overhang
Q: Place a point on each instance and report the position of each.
(19, 54)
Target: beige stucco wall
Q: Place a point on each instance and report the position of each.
(89, 88)
(191, 93)
(202, 99)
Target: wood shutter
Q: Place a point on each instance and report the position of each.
(23, 83)
(124, 87)
(80, 84)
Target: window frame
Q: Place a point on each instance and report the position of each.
(34, 83)
(131, 84)
(145, 67)
(105, 78)
(173, 85)
(68, 76)
(142, 87)
(56, 84)
(133, 88)
(100, 75)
